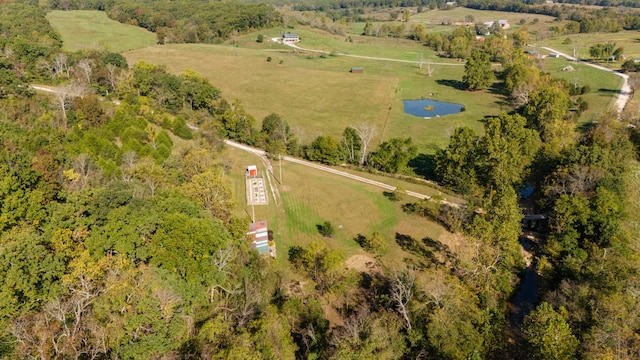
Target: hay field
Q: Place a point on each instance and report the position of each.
(311, 98)
(84, 29)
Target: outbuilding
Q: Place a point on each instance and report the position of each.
(252, 170)
(357, 70)
(290, 37)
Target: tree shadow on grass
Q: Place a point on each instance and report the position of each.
(456, 84)
(434, 252)
(391, 195)
(448, 257)
(504, 99)
(610, 91)
(423, 165)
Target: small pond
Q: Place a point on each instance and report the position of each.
(426, 108)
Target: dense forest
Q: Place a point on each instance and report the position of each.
(95, 204)
(182, 22)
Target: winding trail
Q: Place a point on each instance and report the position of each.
(625, 90)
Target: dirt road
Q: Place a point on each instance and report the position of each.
(625, 90)
(336, 172)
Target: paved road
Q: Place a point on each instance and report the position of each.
(625, 90)
(336, 172)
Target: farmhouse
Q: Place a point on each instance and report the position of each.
(503, 24)
(290, 37)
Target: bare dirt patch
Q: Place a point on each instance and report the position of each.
(363, 263)
(285, 188)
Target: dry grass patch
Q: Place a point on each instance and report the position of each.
(309, 197)
(84, 29)
(313, 99)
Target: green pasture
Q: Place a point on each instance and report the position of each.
(318, 95)
(628, 40)
(604, 85)
(82, 29)
(457, 16)
(315, 39)
(309, 197)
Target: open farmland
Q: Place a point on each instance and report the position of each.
(604, 85)
(458, 15)
(309, 197)
(628, 40)
(94, 30)
(318, 95)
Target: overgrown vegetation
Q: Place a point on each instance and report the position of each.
(117, 243)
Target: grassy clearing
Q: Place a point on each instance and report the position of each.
(318, 95)
(604, 85)
(82, 29)
(312, 98)
(629, 40)
(458, 16)
(310, 197)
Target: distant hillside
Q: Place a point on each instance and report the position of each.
(90, 29)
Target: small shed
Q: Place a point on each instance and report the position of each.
(534, 54)
(554, 55)
(357, 70)
(259, 237)
(252, 170)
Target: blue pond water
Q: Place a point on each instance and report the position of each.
(438, 108)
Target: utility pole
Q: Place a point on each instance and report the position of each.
(280, 166)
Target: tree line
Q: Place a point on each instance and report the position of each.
(581, 181)
(96, 201)
(183, 22)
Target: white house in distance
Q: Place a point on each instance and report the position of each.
(503, 24)
(290, 38)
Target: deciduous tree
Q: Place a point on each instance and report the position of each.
(477, 71)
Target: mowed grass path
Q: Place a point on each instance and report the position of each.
(309, 197)
(83, 29)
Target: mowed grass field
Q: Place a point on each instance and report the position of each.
(83, 30)
(308, 197)
(318, 95)
(604, 86)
